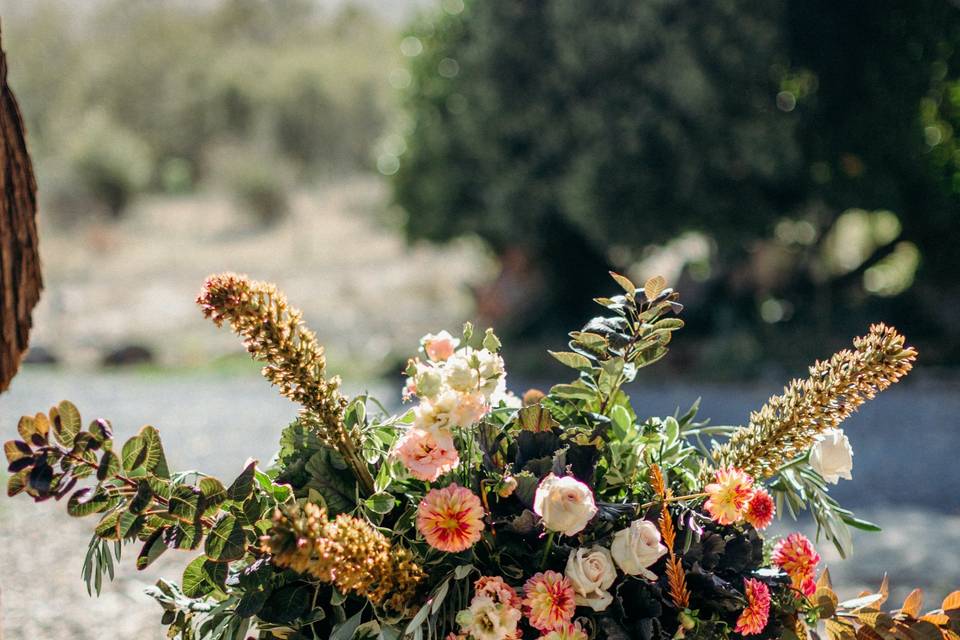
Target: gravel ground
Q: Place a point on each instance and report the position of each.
(214, 423)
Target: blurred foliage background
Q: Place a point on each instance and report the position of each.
(793, 167)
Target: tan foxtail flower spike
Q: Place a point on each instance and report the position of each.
(788, 425)
(346, 552)
(274, 334)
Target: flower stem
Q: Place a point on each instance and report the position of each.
(546, 549)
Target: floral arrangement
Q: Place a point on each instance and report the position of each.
(479, 515)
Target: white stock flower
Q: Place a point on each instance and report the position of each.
(450, 409)
(460, 371)
(565, 504)
(832, 456)
(428, 381)
(492, 371)
(487, 620)
(638, 547)
(592, 573)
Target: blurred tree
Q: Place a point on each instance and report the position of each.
(573, 137)
(568, 130)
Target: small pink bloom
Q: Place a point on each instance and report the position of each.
(549, 600)
(754, 616)
(450, 519)
(427, 453)
(495, 588)
(795, 555)
(439, 347)
(729, 495)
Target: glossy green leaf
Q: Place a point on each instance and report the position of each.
(226, 540)
(243, 485)
(184, 503)
(134, 453)
(66, 424)
(152, 549)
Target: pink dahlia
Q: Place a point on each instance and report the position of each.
(754, 616)
(729, 495)
(795, 555)
(450, 519)
(549, 600)
(761, 509)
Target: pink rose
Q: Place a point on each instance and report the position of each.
(427, 453)
(439, 347)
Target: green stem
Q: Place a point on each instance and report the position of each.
(546, 549)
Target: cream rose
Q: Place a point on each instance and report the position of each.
(832, 456)
(592, 573)
(565, 504)
(638, 547)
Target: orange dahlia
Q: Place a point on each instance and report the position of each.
(795, 555)
(729, 495)
(754, 616)
(450, 519)
(549, 601)
(761, 509)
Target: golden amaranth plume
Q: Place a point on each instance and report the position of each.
(346, 552)
(788, 425)
(273, 333)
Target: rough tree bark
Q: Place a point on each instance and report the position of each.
(20, 280)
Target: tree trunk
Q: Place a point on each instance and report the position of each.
(20, 280)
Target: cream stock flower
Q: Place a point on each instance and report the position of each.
(638, 547)
(832, 456)
(460, 371)
(565, 504)
(591, 572)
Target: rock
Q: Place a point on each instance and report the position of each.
(129, 355)
(40, 355)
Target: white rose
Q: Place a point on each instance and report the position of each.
(638, 547)
(461, 371)
(832, 456)
(565, 504)
(592, 573)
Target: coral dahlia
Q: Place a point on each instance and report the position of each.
(729, 495)
(754, 616)
(549, 601)
(761, 509)
(795, 555)
(450, 519)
